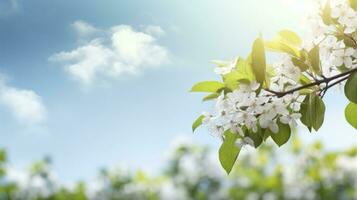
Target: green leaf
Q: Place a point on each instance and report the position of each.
(351, 114)
(299, 63)
(351, 88)
(283, 135)
(314, 56)
(349, 42)
(353, 4)
(258, 60)
(211, 96)
(285, 42)
(228, 152)
(313, 111)
(304, 79)
(326, 14)
(2, 156)
(220, 63)
(207, 86)
(280, 47)
(197, 123)
(289, 37)
(256, 137)
(243, 72)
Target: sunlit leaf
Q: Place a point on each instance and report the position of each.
(304, 79)
(207, 86)
(220, 63)
(314, 56)
(243, 72)
(258, 60)
(228, 153)
(280, 47)
(299, 63)
(197, 123)
(289, 37)
(326, 14)
(211, 96)
(353, 4)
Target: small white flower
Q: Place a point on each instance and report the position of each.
(328, 45)
(245, 141)
(235, 128)
(290, 119)
(269, 123)
(288, 69)
(245, 117)
(257, 106)
(253, 86)
(207, 117)
(343, 57)
(277, 107)
(223, 107)
(226, 68)
(294, 100)
(216, 130)
(351, 26)
(343, 13)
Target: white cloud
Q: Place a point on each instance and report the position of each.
(154, 30)
(84, 29)
(121, 51)
(25, 105)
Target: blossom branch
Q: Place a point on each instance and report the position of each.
(319, 82)
(333, 84)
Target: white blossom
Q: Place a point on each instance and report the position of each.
(224, 68)
(245, 141)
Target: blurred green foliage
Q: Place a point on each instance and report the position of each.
(192, 172)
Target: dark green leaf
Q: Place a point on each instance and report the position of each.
(283, 135)
(197, 123)
(228, 153)
(351, 114)
(258, 60)
(256, 137)
(313, 111)
(351, 88)
(207, 86)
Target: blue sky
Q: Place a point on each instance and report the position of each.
(130, 116)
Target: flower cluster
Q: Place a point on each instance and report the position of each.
(254, 106)
(244, 109)
(335, 34)
(256, 100)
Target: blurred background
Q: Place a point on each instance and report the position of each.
(89, 85)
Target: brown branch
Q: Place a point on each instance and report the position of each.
(333, 84)
(319, 82)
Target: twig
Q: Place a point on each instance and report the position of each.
(319, 82)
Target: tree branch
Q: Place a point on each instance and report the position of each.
(318, 82)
